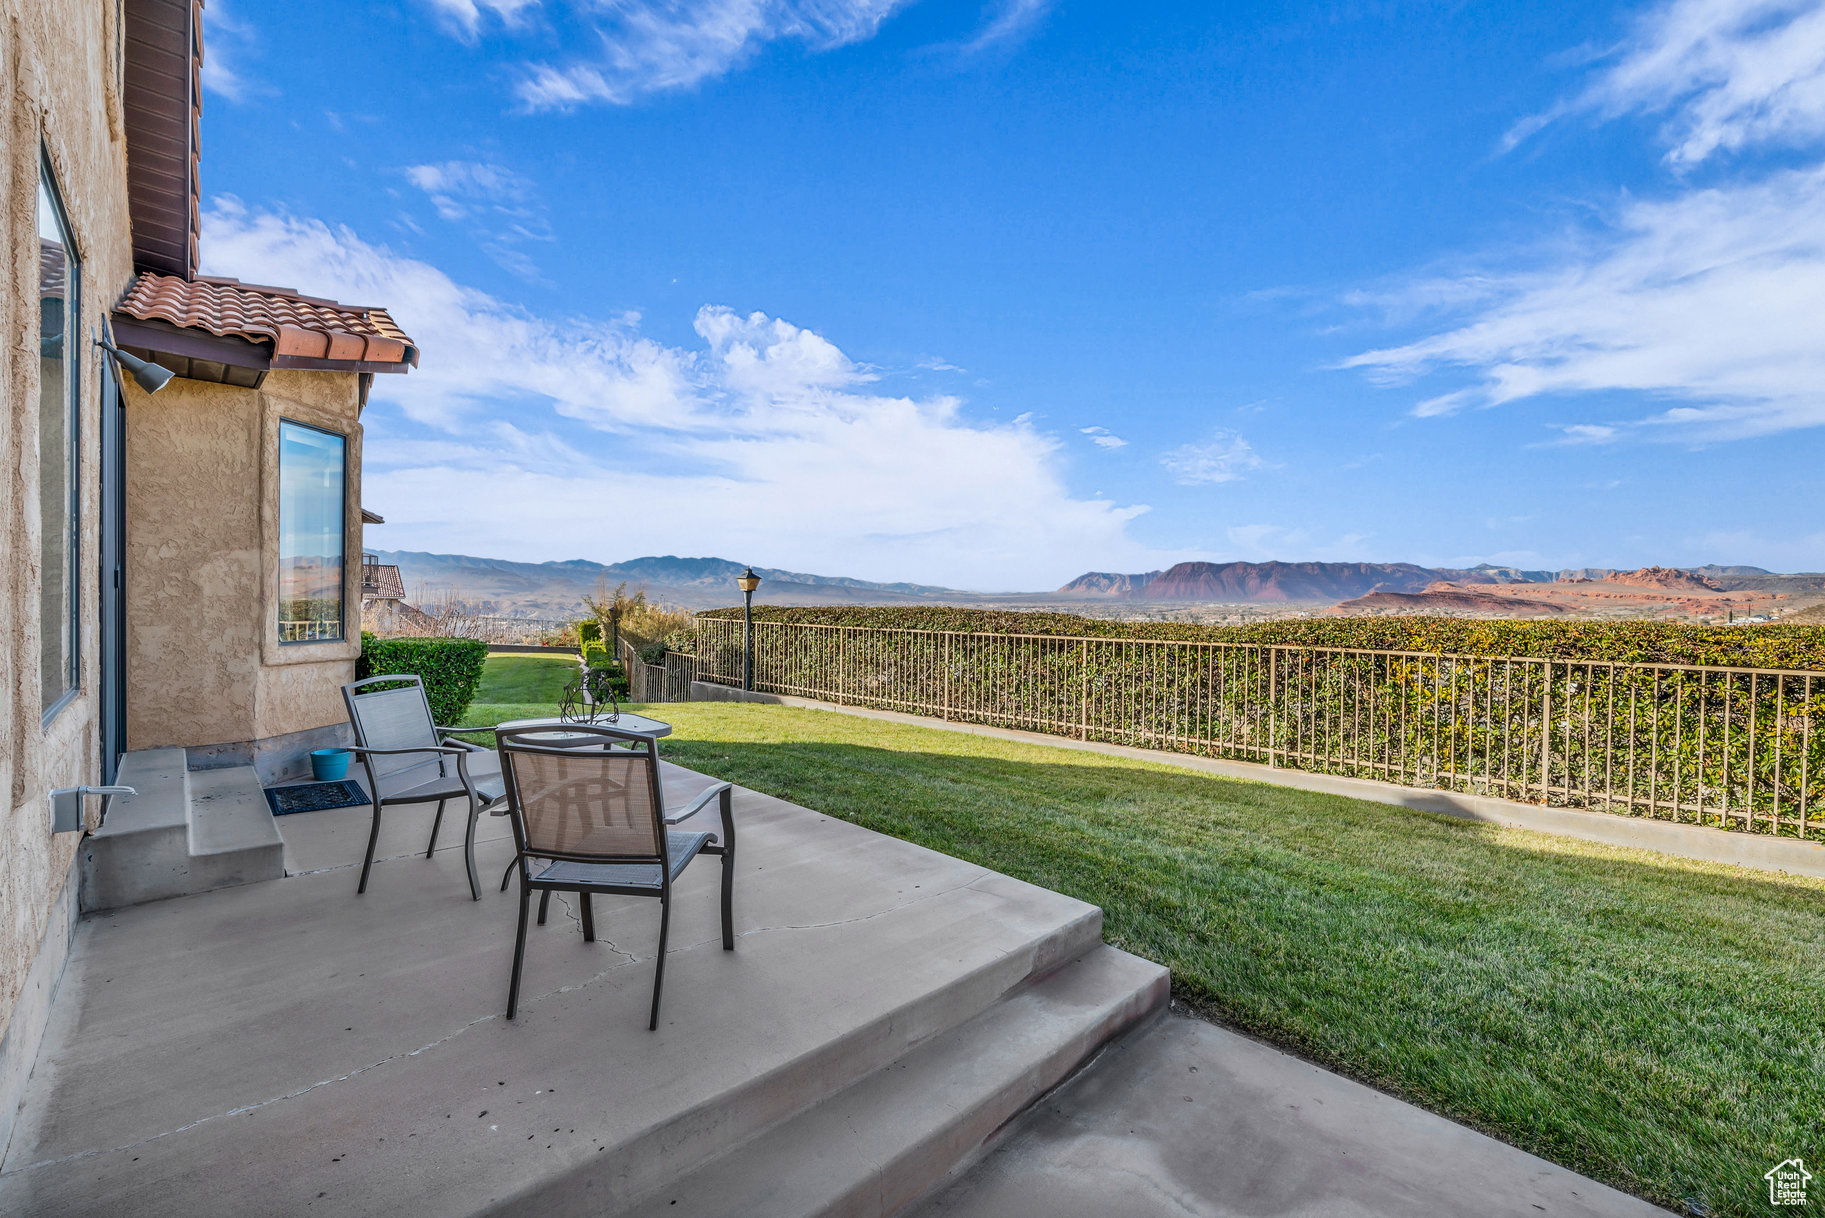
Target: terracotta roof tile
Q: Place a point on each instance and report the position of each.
(298, 327)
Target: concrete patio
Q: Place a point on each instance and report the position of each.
(286, 1046)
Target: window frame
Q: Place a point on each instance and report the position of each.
(342, 599)
(72, 331)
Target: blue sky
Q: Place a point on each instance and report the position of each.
(991, 292)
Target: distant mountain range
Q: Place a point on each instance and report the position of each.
(555, 589)
(558, 588)
(1279, 582)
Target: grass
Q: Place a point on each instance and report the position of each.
(1655, 1023)
(529, 685)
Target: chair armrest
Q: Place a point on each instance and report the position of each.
(423, 748)
(445, 733)
(700, 803)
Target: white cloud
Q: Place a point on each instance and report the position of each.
(456, 188)
(1014, 20)
(465, 16)
(1707, 303)
(541, 439)
(1224, 457)
(227, 40)
(497, 205)
(652, 46)
(1703, 303)
(1102, 437)
(1587, 433)
(1728, 73)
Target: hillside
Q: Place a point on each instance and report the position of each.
(1331, 582)
(1259, 582)
(558, 588)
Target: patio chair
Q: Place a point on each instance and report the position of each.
(593, 820)
(410, 760)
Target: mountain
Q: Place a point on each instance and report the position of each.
(1265, 581)
(1279, 582)
(558, 588)
(1663, 577)
(1106, 583)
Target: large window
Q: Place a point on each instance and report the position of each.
(310, 534)
(59, 400)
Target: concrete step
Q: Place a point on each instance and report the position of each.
(734, 1111)
(143, 844)
(183, 832)
(880, 1145)
(233, 837)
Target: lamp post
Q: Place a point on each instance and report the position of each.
(747, 581)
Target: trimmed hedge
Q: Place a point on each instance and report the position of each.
(450, 669)
(1771, 645)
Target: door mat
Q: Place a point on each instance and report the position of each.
(315, 797)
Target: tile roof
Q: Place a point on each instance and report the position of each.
(381, 581)
(304, 331)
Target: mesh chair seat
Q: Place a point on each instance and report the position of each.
(680, 848)
(437, 778)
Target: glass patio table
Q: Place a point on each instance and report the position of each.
(561, 738)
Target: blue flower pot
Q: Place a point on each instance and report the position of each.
(329, 765)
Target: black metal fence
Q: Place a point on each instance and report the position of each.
(1730, 747)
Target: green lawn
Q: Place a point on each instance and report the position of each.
(1655, 1023)
(531, 683)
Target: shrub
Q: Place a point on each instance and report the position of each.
(595, 654)
(449, 668)
(1772, 645)
(652, 653)
(589, 631)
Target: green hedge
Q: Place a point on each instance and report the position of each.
(589, 631)
(1419, 702)
(1770, 645)
(450, 669)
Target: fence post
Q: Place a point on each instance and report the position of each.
(1083, 705)
(1273, 703)
(944, 675)
(1546, 737)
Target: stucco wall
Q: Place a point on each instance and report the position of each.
(205, 666)
(59, 86)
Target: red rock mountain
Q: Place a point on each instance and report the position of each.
(1279, 582)
(1663, 577)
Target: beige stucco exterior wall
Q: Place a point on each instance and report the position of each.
(205, 666)
(59, 87)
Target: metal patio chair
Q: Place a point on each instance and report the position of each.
(410, 760)
(593, 820)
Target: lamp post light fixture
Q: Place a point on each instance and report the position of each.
(747, 581)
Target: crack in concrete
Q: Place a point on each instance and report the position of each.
(576, 915)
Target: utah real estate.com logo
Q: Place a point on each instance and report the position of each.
(1787, 1182)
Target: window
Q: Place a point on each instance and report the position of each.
(310, 534)
(59, 402)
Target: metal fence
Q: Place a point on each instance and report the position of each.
(668, 681)
(1730, 747)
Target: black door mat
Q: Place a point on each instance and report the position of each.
(315, 797)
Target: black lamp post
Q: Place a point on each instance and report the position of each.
(747, 581)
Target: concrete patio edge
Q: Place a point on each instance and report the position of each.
(1757, 852)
